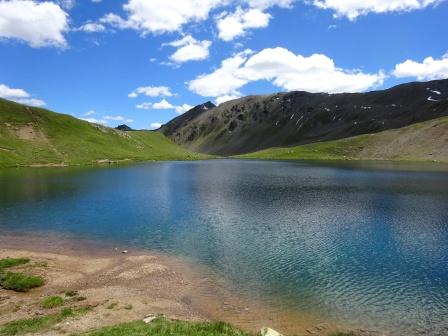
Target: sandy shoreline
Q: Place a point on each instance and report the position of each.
(149, 283)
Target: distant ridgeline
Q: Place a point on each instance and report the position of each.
(407, 122)
(255, 123)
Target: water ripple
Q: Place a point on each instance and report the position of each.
(365, 247)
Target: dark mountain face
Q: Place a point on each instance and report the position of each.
(181, 121)
(286, 119)
(124, 128)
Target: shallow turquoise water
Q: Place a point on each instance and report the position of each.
(363, 246)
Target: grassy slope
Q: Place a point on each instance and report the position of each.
(426, 141)
(31, 135)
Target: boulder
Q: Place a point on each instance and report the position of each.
(269, 332)
(149, 318)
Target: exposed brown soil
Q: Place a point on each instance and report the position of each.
(28, 132)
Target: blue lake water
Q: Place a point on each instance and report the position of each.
(362, 246)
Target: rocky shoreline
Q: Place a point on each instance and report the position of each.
(121, 285)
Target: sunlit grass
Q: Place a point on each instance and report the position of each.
(39, 324)
(20, 282)
(165, 327)
(52, 302)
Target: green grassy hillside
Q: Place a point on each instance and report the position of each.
(34, 136)
(426, 141)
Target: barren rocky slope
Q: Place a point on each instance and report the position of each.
(255, 123)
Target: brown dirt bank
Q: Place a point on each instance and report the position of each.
(125, 287)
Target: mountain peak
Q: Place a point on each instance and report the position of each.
(124, 128)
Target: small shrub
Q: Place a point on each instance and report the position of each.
(52, 302)
(66, 312)
(20, 282)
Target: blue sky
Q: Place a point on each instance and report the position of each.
(142, 62)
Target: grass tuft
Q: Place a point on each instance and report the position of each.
(52, 302)
(165, 327)
(39, 324)
(32, 325)
(20, 282)
(12, 262)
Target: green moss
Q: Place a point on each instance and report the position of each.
(20, 282)
(52, 302)
(38, 324)
(164, 327)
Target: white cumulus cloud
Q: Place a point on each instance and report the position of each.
(354, 8)
(118, 118)
(165, 105)
(281, 67)
(144, 106)
(19, 96)
(161, 16)
(222, 81)
(189, 49)
(67, 4)
(236, 24)
(162, 105)
(92, 27)
(7, 92)
(151, 91)
(183, 108)
(155, 126)
(226, 98)
(262, 4)
(429, 69)
(39, 24)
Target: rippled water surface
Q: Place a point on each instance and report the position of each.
(362, 246)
